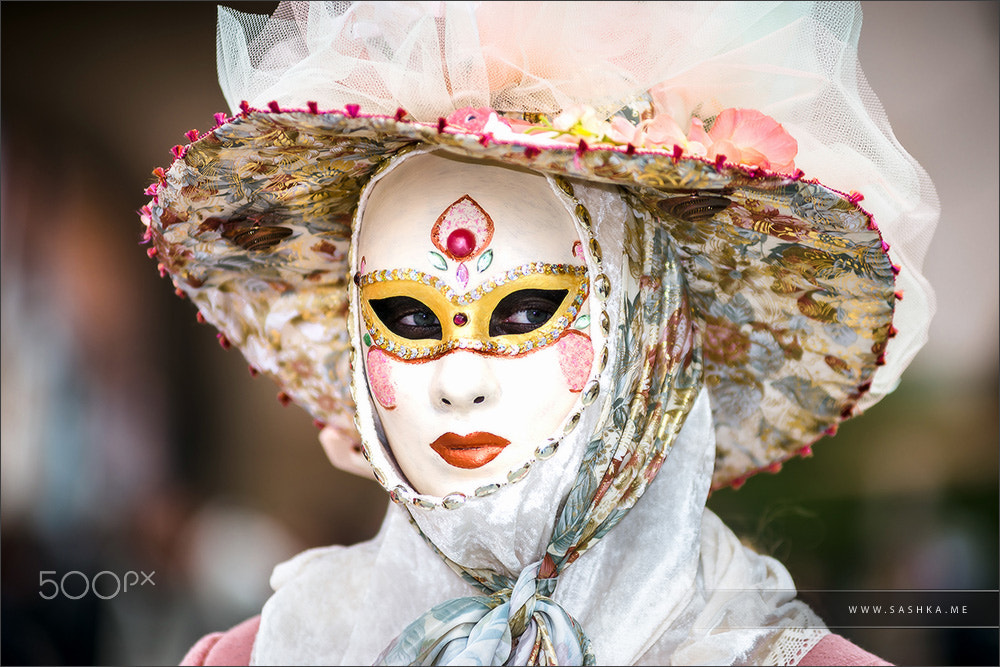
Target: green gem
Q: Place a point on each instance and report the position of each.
(437, 261)
(368, 340)
(484, 261)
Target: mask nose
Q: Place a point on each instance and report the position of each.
(463, 381)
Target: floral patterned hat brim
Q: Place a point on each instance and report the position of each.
(790, 282)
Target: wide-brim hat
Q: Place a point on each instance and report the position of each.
(791, 284)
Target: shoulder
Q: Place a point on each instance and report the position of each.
(311, 573)
(835, 650)
(231, 647)
(314, 572)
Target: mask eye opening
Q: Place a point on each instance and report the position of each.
(525, 310)
(407, 317)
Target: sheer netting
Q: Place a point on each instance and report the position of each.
(794, 61)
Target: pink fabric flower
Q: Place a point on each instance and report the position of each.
(518, 125)
(662, 129)
(473, 119)
(746, 136)
(659, 130)
(743, 136)
(697, 133)
(624, 132)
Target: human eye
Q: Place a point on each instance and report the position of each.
(524, 311)
(407, 317)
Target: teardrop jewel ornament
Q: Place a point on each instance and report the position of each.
(462, 275)
(484, 261)
(437, 261)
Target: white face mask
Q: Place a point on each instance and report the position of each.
(474, 318)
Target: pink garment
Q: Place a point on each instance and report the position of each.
(225, 648)
(835, 650)
(233, 648)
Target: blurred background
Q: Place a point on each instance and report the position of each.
(131, 442)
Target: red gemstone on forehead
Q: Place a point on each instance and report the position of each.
(461, 243)
(460, 319)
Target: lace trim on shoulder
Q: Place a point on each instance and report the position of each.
(792, 644)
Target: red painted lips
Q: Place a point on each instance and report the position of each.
(469, 451)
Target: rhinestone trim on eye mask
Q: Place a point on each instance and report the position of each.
(476, 338)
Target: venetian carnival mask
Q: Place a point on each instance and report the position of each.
(473, 310)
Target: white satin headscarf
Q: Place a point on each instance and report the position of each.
(691, 593)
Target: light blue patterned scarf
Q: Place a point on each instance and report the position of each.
(657, 376)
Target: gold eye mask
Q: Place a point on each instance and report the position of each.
(464, 320)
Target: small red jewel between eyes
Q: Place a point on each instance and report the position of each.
(460, 319)
(461, 243)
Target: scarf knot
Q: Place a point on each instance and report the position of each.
(517, 625)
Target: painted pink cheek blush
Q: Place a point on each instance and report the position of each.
(576, 355)
(379, 369)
